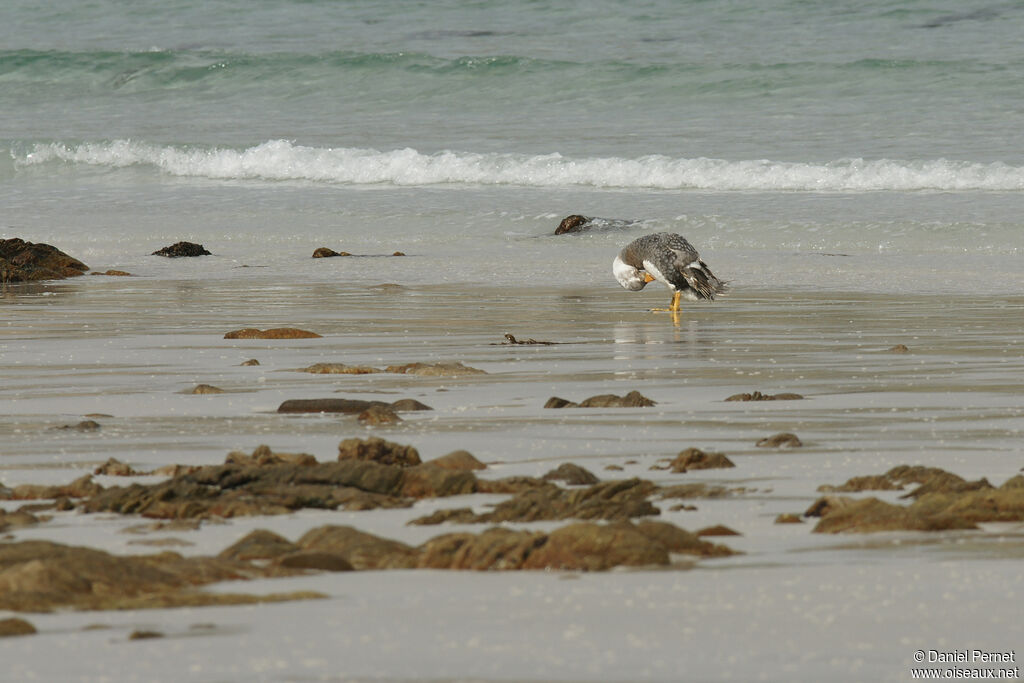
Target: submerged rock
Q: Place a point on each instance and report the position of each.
(346, 405)
(22, 261)
(696, 459)
(781, 440)
(572, 475)
(339, 369)
(273, 333)
(13, 626)
(758, 396)
(376, 416)
(206, 389)
(434, 369)
(378, 450)
(182, 249)
(633, 399)
(40, 576)
(458, 460)
(611, 501)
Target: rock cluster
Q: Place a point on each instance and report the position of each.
(941, 501)
(633, 399)
(758, 396)
(22, 261)
(182, 249)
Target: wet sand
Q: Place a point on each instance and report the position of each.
(795, 604)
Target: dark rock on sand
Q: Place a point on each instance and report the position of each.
(871, 514)
(434, 369)
(259, 545)
(781, 440)
(143, 634)
(22, 261)
(182, 249)
(116, 468)
(898, 348)
(83, 426)
(572, 475)
(361, 550)
(931, 480)
(758, 396)
(17, 520)
(40, 576)
(696, 459)
(788, 518)
(262, 455)
(326, 252)
(633, 399)
(273, 333)
(345, 405)
(233, 489)
(458, 460)
(377, 416)
(326, 562)
(14, 626)
(611, 501)
(251, 362)
(206, 389)
(510, 340)
(339, 369)
(718, 530)
(83, 487)
(577, 223)
(113, 273)
(378, 450)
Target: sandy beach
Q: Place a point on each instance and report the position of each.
(793, 605)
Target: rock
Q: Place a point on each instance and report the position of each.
(182, 249)
(931, 479)
(145, 635)
(696, 459)
(434, 369)
(758, 396)
(378, 450)
(572, 475)
(327, 562)
(113, 273)
(346, 405)
(22, 261)
(718, 530)
(232, 490)
(899, 348)
(40, 576)
(259, 545)
(116, 468)
(633, 399)
(326, 252)
(493, 549)
(788, 518)
(262, 455)
(14, 626)
(461, 461)
(510, 340)
(83, 426)
(611, 501)
(614, 468)
(680, 541)
(339, 369)
(206, 389)
(17, 520)
(273, 333)
(428, 481)
(83, 487)
(695, 490)
(556, 402)
(586, 546)
(573, 223)
(455, 515)
(376, 416)
(361, 550)
(251, 362)
(781, 440)
(871, 514)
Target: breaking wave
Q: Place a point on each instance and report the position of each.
(282, 160)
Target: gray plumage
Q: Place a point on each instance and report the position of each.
(670, 259)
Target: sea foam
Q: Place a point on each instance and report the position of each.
(282, 160)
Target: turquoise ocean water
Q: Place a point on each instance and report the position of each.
(759, 130)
